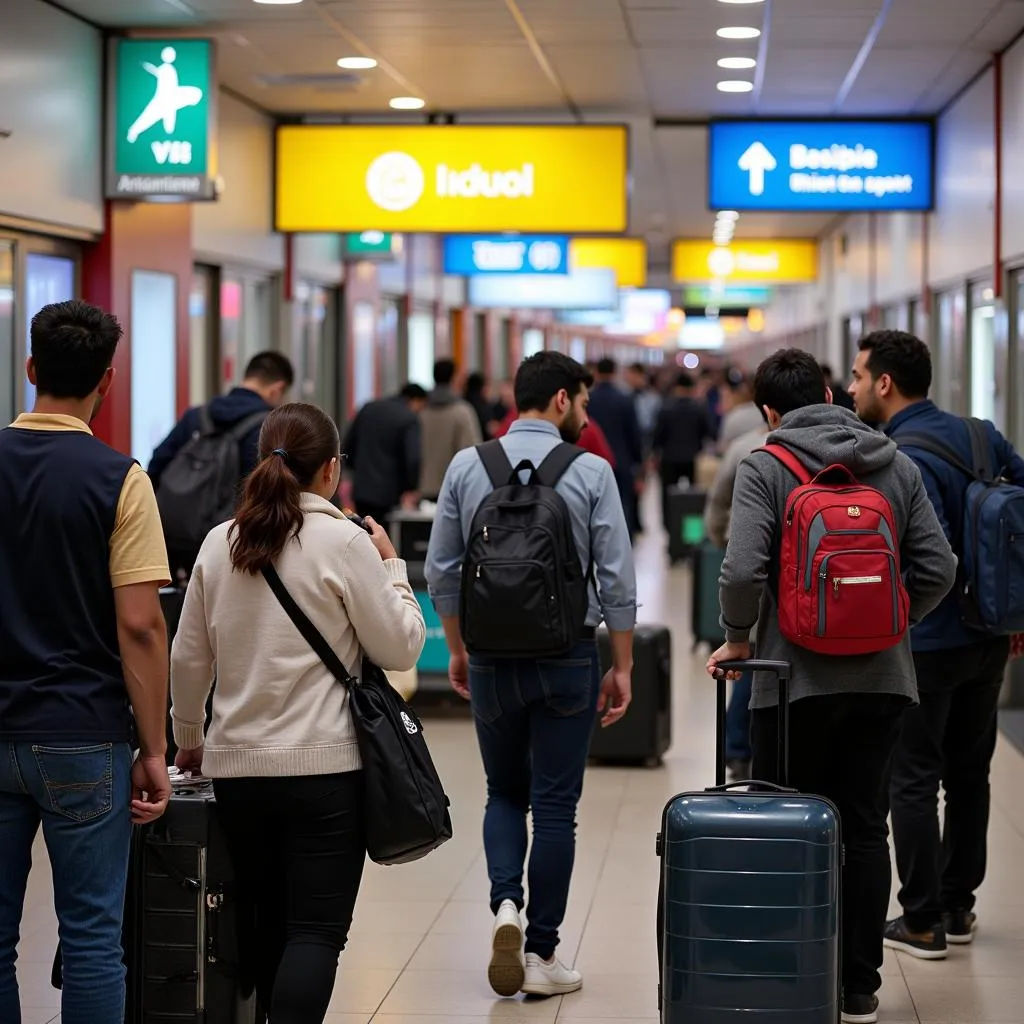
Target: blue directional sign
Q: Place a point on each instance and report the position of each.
(468, 255)
(821, 166)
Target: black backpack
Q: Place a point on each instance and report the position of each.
(524, 592)
(199, 489)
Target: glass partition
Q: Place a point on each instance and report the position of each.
(988, 359)
(949, 391)
(10, 371)
(153, 365)
(47, 279)
(421, 349)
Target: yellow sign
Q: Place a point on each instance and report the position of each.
(781, 262)
(452, 178)
(626, 256)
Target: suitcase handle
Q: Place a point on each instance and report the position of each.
(769, 786)
(782, 670)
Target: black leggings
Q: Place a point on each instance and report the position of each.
(298, 847)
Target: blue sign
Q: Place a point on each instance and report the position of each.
(821, 166)
(467, 255)
(434, 657)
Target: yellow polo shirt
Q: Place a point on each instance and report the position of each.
(137, 550)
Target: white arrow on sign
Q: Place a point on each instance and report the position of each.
(756, 161)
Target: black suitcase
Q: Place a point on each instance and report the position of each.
(686, 521)
(707, 567)
(645, 733)
(749, 897)
(410, 534)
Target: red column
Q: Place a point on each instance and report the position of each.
(138, 236)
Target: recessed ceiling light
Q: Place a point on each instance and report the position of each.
(735, 86)
(737, 63)
(357, 63)
(407, 103)
(278, 3)
(738, 32)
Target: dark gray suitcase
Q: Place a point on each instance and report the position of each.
(749, 901)
(707, 567)
(686, 521)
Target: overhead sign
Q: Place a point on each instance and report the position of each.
(823, 166)
(791, 261)
(582, 289)
(372, 243)
(710, 295)
(452, 178)
(466, 255)
(162, 119)
(626, 256)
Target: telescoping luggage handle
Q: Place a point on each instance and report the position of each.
(781, 669)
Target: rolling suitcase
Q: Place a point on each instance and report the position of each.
(748, 904)
(645, 733)
(410, 534)
(686, 521)
(707, 567)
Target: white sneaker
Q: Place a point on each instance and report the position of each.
(553, 979)
(506, 969)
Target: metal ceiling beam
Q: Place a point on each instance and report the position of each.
(861, 59)
(542, 58)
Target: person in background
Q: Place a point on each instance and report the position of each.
(281, 747)
(840, 396)
(684, 427)
(534, 719)
(506, 400)
(591, 440)
(476, 394)
(647, 402)
(950, 737)
(383, 448)
(742, 415)
(612, 409)
(710, 390)
(83, 662)
(448, 424)
(846, 712)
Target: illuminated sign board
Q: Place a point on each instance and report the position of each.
(582, 289)
(788, 261)
(372, 243)
(821, 166)
(709, 295)
(452, 178)
(467, 255)
(626, 256)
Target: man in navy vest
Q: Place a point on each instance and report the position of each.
(82, 645)
(950, 737)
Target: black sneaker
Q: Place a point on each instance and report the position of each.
(923, 945)
(960, 927)
(860, 1009)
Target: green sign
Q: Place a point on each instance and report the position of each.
(727, 296)
(370, 243)
(162, 118)
(434, 659)
(693, 530)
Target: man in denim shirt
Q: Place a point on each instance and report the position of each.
(534, 718)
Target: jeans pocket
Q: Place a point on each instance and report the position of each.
(483, 689)
(568, 685)
(78, 780)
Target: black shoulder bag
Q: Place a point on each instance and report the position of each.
(406, 807)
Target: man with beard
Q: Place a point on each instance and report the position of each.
(534, 717)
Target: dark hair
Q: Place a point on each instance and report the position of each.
(543, 375)
(444, 372)
(73, 345)
(475, 384)
(638, 368)
(414, 393)
(903, 357)
(296, 440)
(685, 380)
(606, 367)
(826, 371)
(790, 379)
(270, 368)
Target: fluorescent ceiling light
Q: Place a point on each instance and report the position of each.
(738, 33)
(357, 63)
(277, 3)
(741, 1)
(728, 215)
(737, 63)
(407, 103)
(735, 86)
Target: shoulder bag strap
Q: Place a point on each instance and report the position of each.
(309, 632)
(499, 469)
(939, 449)
(206, 425)
(243, 427)
(556, 462)
(981, 448)
(789, 460)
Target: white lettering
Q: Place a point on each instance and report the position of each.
(172, 152)
(894, 184)
(835, 158)
(145, 185)
(476, 183)
(545, 256)
(812, 183)
(499, 256)
(767, 263)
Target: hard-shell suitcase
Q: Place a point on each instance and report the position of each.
(707, 567)
(645, 733)
(410, 534)
(749, 900)
(686, 521)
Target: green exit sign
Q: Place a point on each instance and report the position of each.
(162, 119)
(372, 243)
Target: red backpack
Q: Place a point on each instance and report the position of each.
(840, 588)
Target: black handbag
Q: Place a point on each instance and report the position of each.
(407, 812)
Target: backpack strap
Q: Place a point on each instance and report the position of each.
(789, 460)
(981, 449)
(941, 450)
(207, 428)
(499, 469)
(243, 427)
(557, 461)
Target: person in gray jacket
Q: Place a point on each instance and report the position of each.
(846, 711)
(448, 424)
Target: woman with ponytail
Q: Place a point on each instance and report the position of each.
(281, 747)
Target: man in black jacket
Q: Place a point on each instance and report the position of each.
(382, 448)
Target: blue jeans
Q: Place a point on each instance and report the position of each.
(533, 722)
(737, 721)
(82, 795)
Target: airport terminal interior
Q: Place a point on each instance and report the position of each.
(368, 186)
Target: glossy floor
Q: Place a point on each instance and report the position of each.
(419, 948)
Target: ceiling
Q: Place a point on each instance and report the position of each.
(630, 61)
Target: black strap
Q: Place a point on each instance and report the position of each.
(981, 449)
(499, 469)
(242, 427)
(206, 425)
(558, 460)
(309, 632)
(937, 448)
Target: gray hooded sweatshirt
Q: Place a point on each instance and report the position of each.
(820, 436)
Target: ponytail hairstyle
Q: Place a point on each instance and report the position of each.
(295, 442)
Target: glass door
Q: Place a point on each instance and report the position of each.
(988, 365)
(950, 349)
(421, 349)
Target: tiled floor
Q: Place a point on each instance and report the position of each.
(419, 947)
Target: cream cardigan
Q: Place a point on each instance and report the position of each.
(276, 709)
